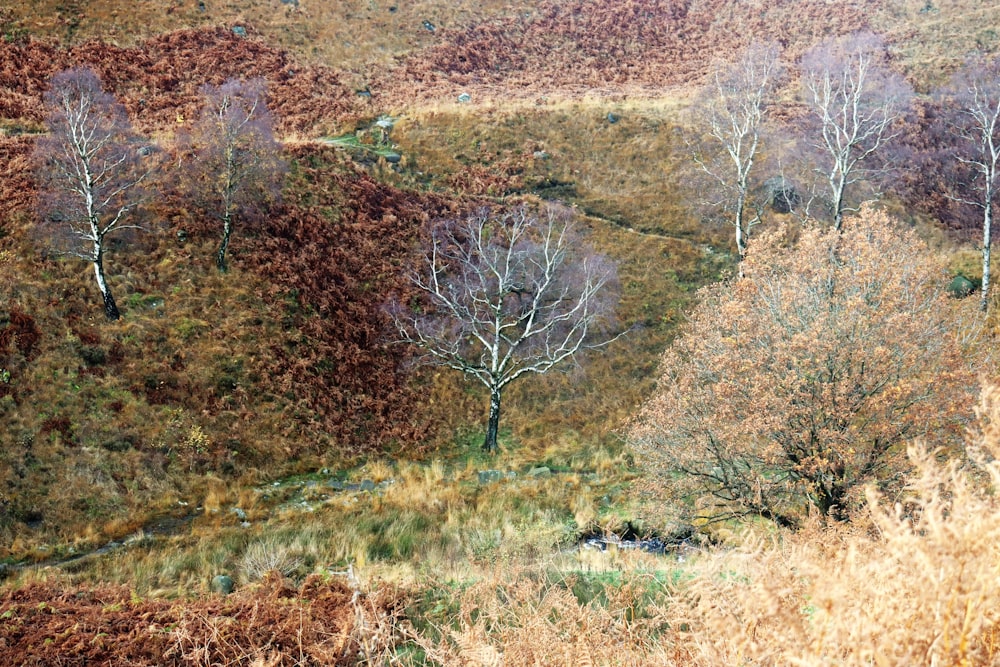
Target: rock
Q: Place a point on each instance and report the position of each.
(613, 117)
(489, 476)
(201, 6)
(464, 98)
(367, 485)
(393, 158)
(961, 287)
(428, 26)
(240, 514)
(540, 155)
(294, 3)
(367, 94)
(781, 194)
(540, 471)
(223, 584)
(335, 484)
(239, 31)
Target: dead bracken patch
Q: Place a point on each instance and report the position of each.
(321, 623)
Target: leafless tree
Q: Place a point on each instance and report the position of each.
(90, 167)
(972, 103)
(507, 295)
(855, 102)
(237, 166)
(731, 109)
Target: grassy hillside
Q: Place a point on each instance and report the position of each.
(234, 422)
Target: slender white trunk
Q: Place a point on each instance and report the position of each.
(110, 307)
(984, 297)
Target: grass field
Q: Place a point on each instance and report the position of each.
(256, 421)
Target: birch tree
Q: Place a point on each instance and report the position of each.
(237, 169)
(972, 113)
(90, 167)
(731, 110)
(855, 102)
(505, 296)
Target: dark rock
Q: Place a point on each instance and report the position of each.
(781, 194)
(335, 484)
(367, 485)
(223, 584)
(961, 287)
(290, 2)
(201, 7)
(428, 26)
(239, 31)
(393, 158)
(613, 117)
(367, 94)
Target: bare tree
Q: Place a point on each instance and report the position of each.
(731, 109)
(972, 102)
(90, 167)
(855, 102)
(238, 167)
(508, 295)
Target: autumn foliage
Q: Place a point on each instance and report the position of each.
(320, 623)
(801, 382)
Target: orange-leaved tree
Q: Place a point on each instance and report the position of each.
(802, 381)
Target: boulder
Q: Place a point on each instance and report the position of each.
(223, 584)
(961, 287)
(782, 196)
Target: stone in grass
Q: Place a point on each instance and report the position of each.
(488, 476)
(223, 584)
(539, 472)
(239, 31)
(465, 98)
(961, 287)
(393, 158)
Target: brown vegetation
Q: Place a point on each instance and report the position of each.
(799, 383)
(612, 48)
(274, 624)
(158, 80)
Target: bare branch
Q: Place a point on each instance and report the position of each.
(856, 103)
(91, 167)
(732, 110)
(508, 295)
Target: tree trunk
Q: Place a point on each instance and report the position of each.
(490, 445)
(227, 229)
(984, 296)
(110, 307)
(838, 204)
(741, 234)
